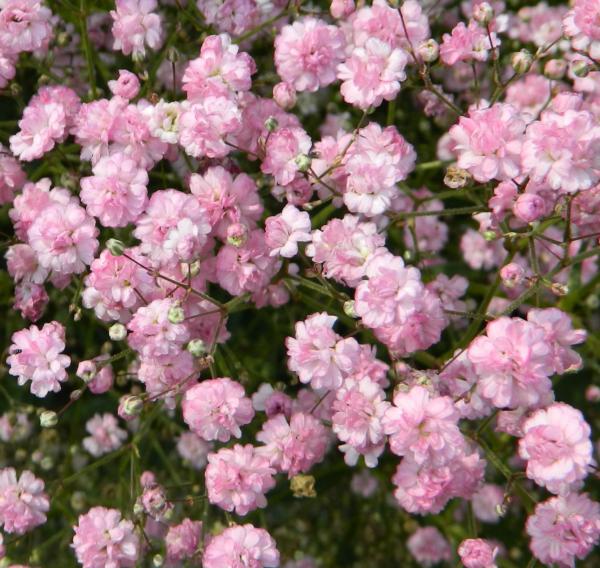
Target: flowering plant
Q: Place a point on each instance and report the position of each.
(299, 284)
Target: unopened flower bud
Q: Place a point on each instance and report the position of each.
(501, 509)
(197, 347)
(15, 89)
(303, 162)
(559, 289)
(117, 332)
(173, 55)
(428, 50)
(529, 207)
(483, 13)
(76, 394)
(62, 39)
(48, 419)
(284, 95)
(490, 235)
(592, 393)
(580, 68)
(78, 500)
(593, 302)
(456, 178)
(555, 69)
(349, 309)
(158, 560)
(512, 274)
(115, 246)
(271, 124)
(130, 406)
(237, 234)
(521, 61)
(176, 314)
(190, 268)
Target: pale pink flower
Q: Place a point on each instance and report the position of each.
(233, 16)
(15, 427)
(241, 545)
(284, 95)
(477, 553)
(25, 25)
(204, 125)
(372, 73)
(283, 232)
(467, 43)
(116, 193)
(12, 177)
(581, 25)
(341, 8)
(563, 529)
(7, 67)
(284, 149)
(318, 354)
(22, 264)
(104, 538)
(64, 238)
(530, 207)
(479, 253)
(307, 53)
(423, 426)
(135, 26)
(173, 227)
(344, 247)
(513, 360)
(428, 546)
(562, 150)
(219, 71)
(31, 300)
(560, 335)
(215, 409)
(375, 163)
(226, 199)
(23, 503)
(127, 85)
(105, 435)
(488, 142)
(153, 335)
(556, 444)
(359, 408)
(238, 478)
(293, 446)
(36, 355)
(193, 449)
(97, 374)
(487, 503)
(182, 540)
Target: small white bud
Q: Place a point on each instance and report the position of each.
(48, 419)
(117, 332)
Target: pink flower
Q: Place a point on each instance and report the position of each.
(183, 539)
(238, 478)
(295, 446)
(467, 43)
(220, 71)
(233, 16)
(241, 546)
(104, 538)
(513, 362)
(23, 503)
(318, 354)
(560, 335)
(193, 449)
(31, 300)
(423, 426)
(307, 53)
(127, 85)
(283, 232)
(344, 247)
(215, 409)
(284, 150)
(173, 227)
(341, 8)
(359, 408)
(372, 73)
(477, 553)
(116, 193)
(105, 435)
(12, 177)
(487, 502)
(167, 376)
(557, 446)
(25, 26)
(530, 207)
(562, 150)
(153, 335)
(64, 238)
(135, 26)
(97, 374)
(581, 25)
(375, 163)
(428, 546)
(563, 529)
(226, 199)
(22, 264)
(36, 356)
(204, 125)
(488, 142)
(284, 95)
(481, 254)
